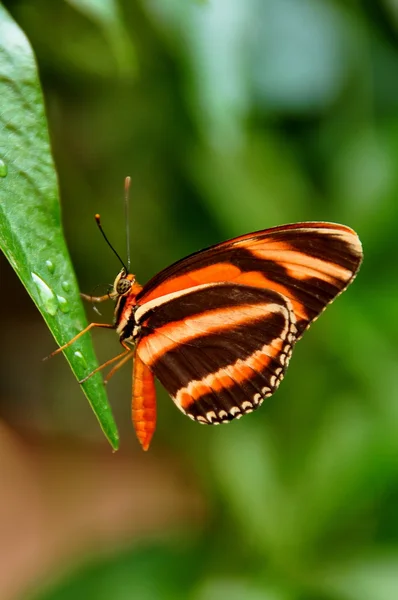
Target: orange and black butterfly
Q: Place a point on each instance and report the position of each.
(218, 328)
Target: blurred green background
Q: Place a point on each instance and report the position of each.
(230, 116)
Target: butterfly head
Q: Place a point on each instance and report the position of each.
(123, 283)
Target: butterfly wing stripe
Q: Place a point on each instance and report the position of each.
(211, 392)
(180, 305)
(232, 374)
(171, 335)
(220, 373)
(187, 368)
(341, 247)
(211, 330)
(309, 306)
(137, 316)
(309, 297)
(310, 264)
(225, 394)
(300, 265)
(215, 271)
(221, 348)
(304, 296)
(335, 243)
(243, 402)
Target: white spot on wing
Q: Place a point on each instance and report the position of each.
(211, 416)
(257, 398)
(246, 406)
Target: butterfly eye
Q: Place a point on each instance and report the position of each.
(123, 286)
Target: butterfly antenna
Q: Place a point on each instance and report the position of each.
(98, 221)
(127, 182)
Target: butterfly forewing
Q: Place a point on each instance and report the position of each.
(218, 349)
(308, 263)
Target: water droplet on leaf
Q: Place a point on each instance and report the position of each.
(3, 168)
(63, 304)
(46, 294)
(50, 266)
(66, 286)
(80, 356)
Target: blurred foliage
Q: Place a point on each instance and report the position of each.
(232, 116)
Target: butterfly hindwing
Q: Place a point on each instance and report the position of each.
(217, 348)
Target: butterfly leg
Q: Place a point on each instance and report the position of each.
(123, 357)
(143, 402)
(73, 340)
(95, 299)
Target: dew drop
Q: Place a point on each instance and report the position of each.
(3, 168)
(66, 286)
(46, 294)
(50, 266)
(63, 304)
(81, 358)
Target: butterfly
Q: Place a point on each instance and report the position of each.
(218, 327)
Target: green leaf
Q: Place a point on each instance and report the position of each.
(31, 236)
